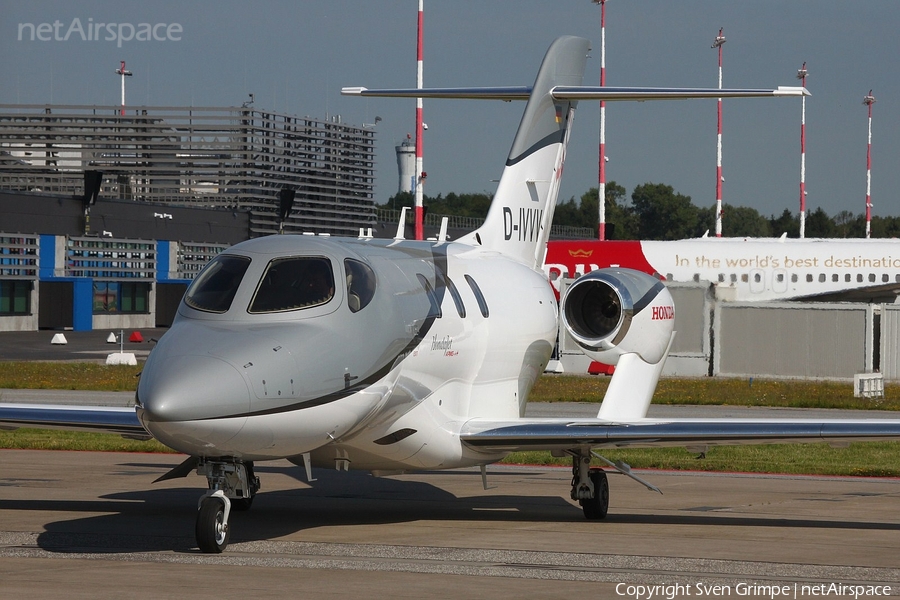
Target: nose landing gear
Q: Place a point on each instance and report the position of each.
(232, 485)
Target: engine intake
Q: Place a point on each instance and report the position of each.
(611, 312)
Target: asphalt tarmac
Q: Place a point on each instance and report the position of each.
(80, 345)
(92, 525)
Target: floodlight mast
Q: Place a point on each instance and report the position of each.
(801, 75)
(123, 73)
(601, 187)
(420, 173)
(869, 100)
(718, 43)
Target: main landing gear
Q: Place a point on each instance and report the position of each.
(232, 486)
(589, 487)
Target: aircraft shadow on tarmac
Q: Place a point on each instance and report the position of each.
(163, 519)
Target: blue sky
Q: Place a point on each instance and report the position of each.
(296, 55)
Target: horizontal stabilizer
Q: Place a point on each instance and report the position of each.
(478, 93)
(581, 92)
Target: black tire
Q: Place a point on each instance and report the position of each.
(211, 531)
(597, 507)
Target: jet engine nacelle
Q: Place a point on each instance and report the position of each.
(612, 312)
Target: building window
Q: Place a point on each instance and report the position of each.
(113, 297)
(15, 297)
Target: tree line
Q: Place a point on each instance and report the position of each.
(656, 212)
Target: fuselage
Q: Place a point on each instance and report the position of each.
(381, 369)
(747, 269)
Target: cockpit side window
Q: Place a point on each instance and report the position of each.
(294, 283)
(215, 287)
(360, 284)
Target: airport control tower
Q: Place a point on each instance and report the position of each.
(406, 165)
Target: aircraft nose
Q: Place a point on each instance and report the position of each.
(192, 387)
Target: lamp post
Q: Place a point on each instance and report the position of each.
(123, 73)
(601, 187)
(801, 75)
(718, 43)
(869, 100)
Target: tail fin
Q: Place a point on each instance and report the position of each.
(518, 222)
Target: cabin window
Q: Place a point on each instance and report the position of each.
(885, 278)
(733, 278)
(872, 277)
(215, 287)
(779, 277)
(745, 278)
(360, 284)
(847, 277)
(821, 277)
(293, 283)
(457, 299)
(809, 278)
(859, 278)
(835, 278)
(479, 297)
(434, 310)
(721, 277)
(794, 278)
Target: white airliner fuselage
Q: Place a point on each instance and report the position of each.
(748, 269)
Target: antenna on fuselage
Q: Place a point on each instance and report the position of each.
(401, 226)
(285, 203)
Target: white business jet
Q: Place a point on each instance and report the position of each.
(398, 355)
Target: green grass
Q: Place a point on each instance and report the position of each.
(871, 458)
(874, 459)
(68, 376)
(721, 391)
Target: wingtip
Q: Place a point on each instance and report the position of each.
(353, 91)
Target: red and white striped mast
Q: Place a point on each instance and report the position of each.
(869, 100)
(718, 43)
(601, 188)
(123, 73)
(801, 75)
(420, 174)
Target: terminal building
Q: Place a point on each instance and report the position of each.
(106, 217)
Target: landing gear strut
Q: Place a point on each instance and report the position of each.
(232, 485)
(589, 487)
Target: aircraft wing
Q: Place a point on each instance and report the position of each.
(100, 419)
(582, 92)
(563, 434)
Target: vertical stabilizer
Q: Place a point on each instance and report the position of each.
(518, 222)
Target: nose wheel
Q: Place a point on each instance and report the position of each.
(212, 523)
(232, 486)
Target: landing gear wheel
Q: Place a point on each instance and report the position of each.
(211, 529)
(596, 507)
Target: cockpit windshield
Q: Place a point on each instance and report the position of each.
(215, 287)
(292, 283)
